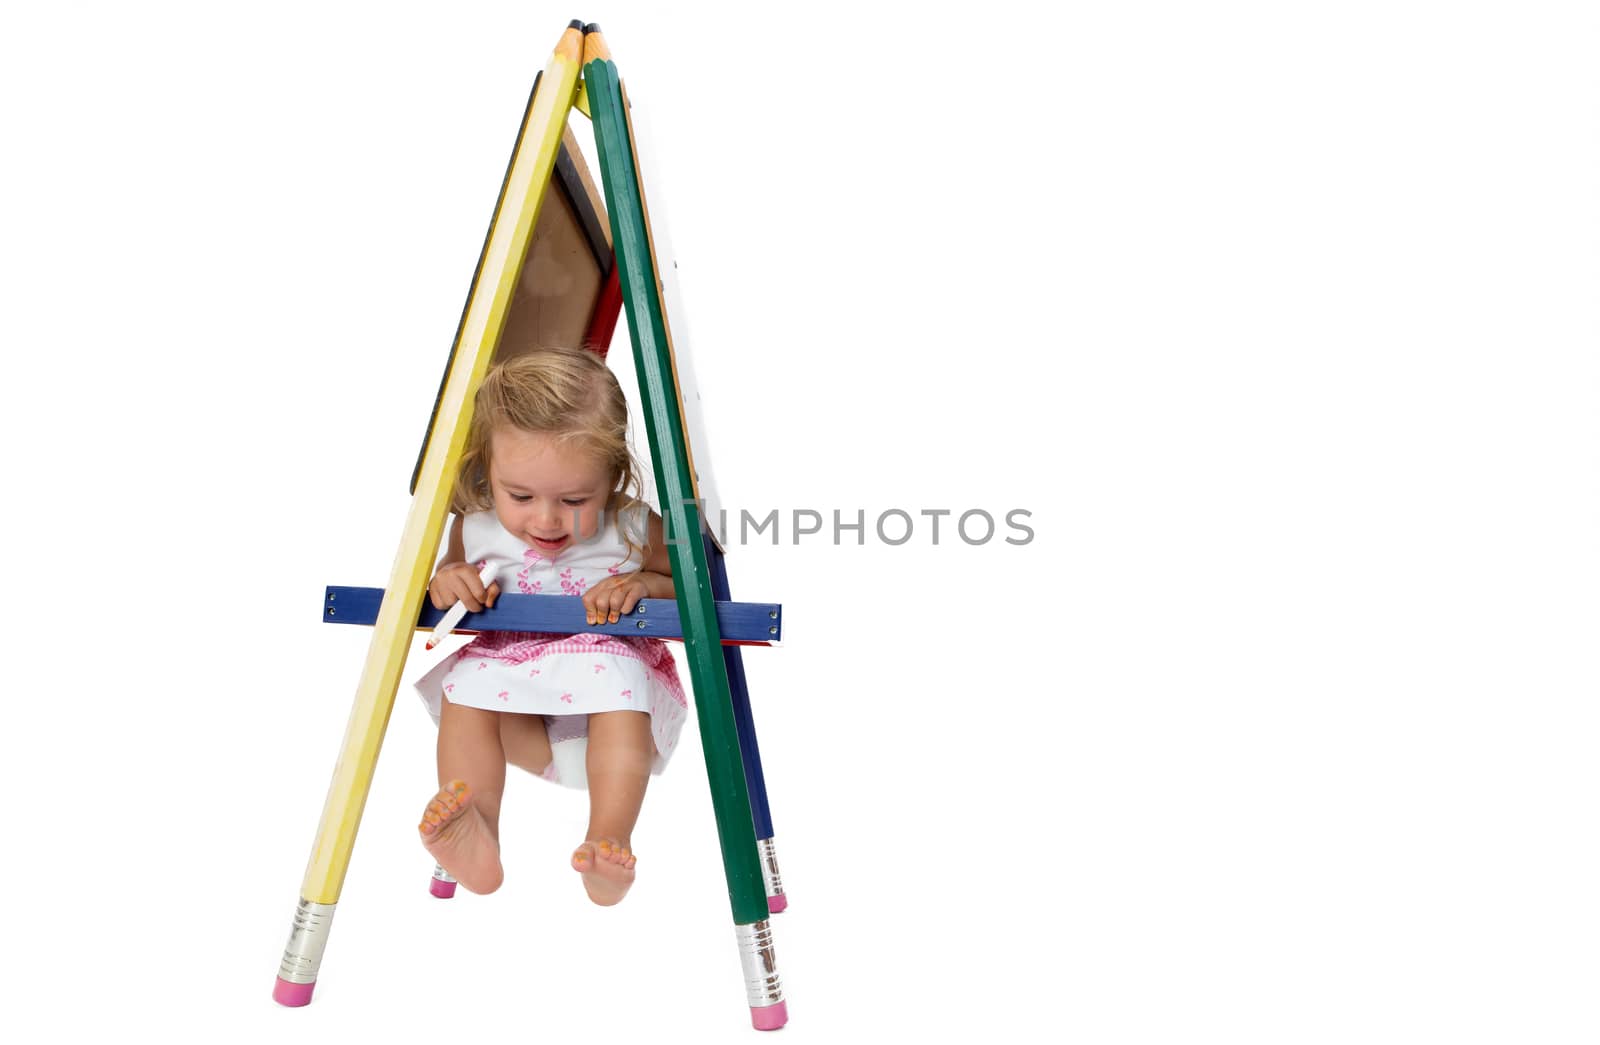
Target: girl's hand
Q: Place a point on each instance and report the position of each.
(458, 582)
(614, 596)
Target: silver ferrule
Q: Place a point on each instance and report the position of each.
(760, 963)
(440, 874)
(769, 866)
(303, 956)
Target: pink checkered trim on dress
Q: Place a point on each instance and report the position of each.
(526, 647)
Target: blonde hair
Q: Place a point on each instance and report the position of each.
(567, 393)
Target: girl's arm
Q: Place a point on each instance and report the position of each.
(656, 573)
(454, 579)
(620, 593)
(455, 548)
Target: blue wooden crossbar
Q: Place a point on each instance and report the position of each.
(740, 622)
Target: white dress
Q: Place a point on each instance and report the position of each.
(562, 677)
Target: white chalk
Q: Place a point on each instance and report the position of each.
(453, 615)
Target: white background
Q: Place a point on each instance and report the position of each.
(1280, 319)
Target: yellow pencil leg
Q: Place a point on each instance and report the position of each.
(499, 269)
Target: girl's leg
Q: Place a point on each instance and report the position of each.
(525, 742)
(461, 825)
(618, 766)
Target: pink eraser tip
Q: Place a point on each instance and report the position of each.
(443, 890)
(292, 994)
(777, 903)
(769, 1017)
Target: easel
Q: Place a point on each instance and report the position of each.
(505, 315)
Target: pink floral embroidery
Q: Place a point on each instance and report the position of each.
(598, 668)
(570, 584)
(528, 648)
(527, 587)
(482, 664)
(532, 673)
(628, 693)
(505, 694)
(567, 697)
(450, 687)
(613, 570)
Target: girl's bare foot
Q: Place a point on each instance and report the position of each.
(607, 869)
(457, 836)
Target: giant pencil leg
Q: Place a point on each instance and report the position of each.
(441, 884)
(481, 323)
(691, 574)
(755, 781)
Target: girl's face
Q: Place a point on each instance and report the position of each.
(550, 496)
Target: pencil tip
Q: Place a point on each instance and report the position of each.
(576, 23)
(430, 644)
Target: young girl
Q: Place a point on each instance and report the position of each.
(548, 493)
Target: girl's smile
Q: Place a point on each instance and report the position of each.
(546, 493)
